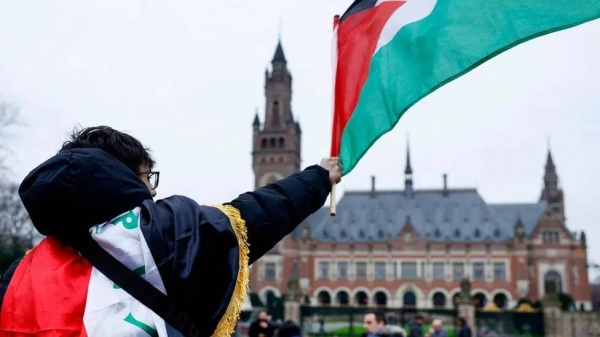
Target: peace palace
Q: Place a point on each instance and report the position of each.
(412, 247)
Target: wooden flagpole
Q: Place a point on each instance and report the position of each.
(332, 202)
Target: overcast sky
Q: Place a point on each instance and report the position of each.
(186, 79)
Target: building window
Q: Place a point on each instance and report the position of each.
(395, 270)
(275, 113)
(439, 271)
(499, 271)
(478, 271)
(270, 271)
(439, 300)
(550, 237)
(458, 271)
(342, 271)
(409, 270)
(324, 269)
(552, 283)
(361, 270)
(380, 270)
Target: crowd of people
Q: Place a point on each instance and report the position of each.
(375, 324)
(263, 327)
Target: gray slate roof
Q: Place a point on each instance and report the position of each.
(459, 214)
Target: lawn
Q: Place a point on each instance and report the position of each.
(359, 330)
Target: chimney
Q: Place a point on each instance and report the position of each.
(445, 193)
(372, 186)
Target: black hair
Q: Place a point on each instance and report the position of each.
(379, 316)
(121, 146)
(462, 320)
(289, 329)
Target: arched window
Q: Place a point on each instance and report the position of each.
(270, 299)
(263, 143)
(552, 282)
(439, 300)
(272, 142)
(361, 298)
(342, 298)
(380, 298)
(500, 300)
(409, 299)
(281, 142)
(479, 300)
(324, 298)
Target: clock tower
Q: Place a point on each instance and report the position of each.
(276, 141)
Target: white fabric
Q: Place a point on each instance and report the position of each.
(109, 310)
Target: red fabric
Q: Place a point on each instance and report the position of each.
(357, 37)
(47, 294)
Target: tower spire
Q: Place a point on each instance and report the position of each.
(408, 181)
(408, 169)
(551, 191)
(279, 55)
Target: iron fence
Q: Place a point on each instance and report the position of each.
(343, 321)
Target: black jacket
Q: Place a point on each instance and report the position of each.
(194, 247)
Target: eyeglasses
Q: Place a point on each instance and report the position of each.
(153, 178)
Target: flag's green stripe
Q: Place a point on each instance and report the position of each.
(148, 329)
(455, 38)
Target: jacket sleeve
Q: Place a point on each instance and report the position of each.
(274, 211)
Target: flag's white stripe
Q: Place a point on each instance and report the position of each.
(411, 11)
(110, 311)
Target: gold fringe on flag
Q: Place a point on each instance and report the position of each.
(226, 326)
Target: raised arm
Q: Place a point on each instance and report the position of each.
(274, 211)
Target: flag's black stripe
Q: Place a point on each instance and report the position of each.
(357, 6)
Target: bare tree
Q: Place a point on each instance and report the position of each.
(16, 229)
(8, 118)
(17, 233)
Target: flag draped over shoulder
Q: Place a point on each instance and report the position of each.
(390, 54)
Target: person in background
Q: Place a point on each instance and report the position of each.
(416, 327)
(289, 329)
(464, 330)
(436, 329)
(261, 327)
(373, 321)
(375, 325)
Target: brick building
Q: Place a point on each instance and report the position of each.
(411, 247)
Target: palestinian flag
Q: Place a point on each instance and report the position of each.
(390, 54)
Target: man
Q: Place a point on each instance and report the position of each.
(416, 327)
(464, 330)
(98, 189)
(261, 327)
(373, 321)
(437, 329)
(375, 325)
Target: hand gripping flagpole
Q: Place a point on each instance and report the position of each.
(332, 199)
